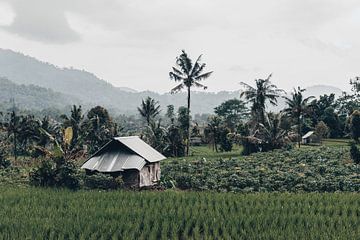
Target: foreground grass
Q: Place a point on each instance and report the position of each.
(31, 213)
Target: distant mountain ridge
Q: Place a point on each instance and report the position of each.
(32, 96)
(72, 86)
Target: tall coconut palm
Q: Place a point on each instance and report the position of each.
(189, 75)
(297, 107)
(149, 109)
(258, 96)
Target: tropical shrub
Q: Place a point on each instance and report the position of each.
(354, 153)
(102, 181)
(4, 163)
(355, 125)
(55, 173)
(224, 140)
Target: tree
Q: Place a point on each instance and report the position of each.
(258, 96)
(149, 109)
(74, 121)
(184, 120)
(332, 120)
(189, 75)
(174, 144)
(318, 106)
(322, 130)
(98, 128)
(348, 103)
(233, 111)
(170, 113)
(297, 107)
(12, 128)
(212, 131)
(271, 134)
(154, 135)
(355, 125)
(224, 140)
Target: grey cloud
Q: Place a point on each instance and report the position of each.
(41, 20)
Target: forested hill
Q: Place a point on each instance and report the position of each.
(32, 96)
(91, 90)
(72, 86)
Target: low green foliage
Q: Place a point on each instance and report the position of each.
(102, 181)
(55, 174)
(355, 153)
(311, 169)
(59, 214)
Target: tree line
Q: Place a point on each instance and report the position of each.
(244, 120)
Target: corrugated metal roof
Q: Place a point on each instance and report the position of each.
(141, 148)
(114, 161)
(114, 157)
(308, 134)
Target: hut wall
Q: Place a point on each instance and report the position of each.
(150, 174)
(131, 178)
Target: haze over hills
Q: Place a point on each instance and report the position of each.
(57, 87)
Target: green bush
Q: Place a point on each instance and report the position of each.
(249, 146)
(102, 181)
(44, 175)
(4, 163)
(224, 140)
(50, 174)
(354, 153)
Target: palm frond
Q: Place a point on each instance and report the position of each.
(203, 76)
(200, 85)
(178, 88)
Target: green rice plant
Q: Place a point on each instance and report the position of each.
(61, 214)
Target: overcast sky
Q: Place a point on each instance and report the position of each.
(134, 43)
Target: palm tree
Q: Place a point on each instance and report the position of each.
(212, 131)
(189, 74)
(149, 109)
(271, 133)
(258, 96)
(297, 107)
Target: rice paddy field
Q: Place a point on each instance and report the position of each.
(33, 213)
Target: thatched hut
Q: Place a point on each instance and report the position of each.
(136, 161)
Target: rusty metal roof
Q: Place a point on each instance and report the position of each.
(123, 153)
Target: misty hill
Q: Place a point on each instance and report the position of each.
(92, 90)
(318, 90)
(78, 86)
(33, 97)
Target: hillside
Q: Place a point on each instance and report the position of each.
(92, 90)
(81, 86)
(33, 97)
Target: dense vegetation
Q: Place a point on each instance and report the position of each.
(59, 214)
(311, 169)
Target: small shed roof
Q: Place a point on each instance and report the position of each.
(308, 134)
(141, 148)
(123, 153)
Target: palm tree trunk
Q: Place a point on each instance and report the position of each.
(188, 136)
(299, 131)
(15, 148)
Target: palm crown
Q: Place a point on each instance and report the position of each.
(149, 109)
(258, 95)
